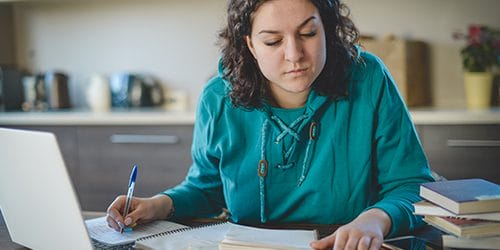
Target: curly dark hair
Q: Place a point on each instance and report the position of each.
(249, 86)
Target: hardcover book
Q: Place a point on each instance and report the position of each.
(427, 208)
(463, 196)
(479, 243)
(464, 227)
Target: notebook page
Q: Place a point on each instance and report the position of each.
(98, 230)
(196, 238)
(269, 238)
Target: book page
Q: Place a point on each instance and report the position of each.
(269, 238)
(98, 230)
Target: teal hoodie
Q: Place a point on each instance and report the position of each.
(324, 163)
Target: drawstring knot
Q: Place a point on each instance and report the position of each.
(292, 131)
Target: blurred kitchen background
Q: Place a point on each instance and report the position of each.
(142, 65)
(173, 41)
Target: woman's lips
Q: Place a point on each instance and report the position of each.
(297, 71)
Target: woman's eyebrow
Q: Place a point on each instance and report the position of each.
(300, 26)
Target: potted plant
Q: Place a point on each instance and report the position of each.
(480, 58)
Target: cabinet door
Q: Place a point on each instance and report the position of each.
(107, 155)
(463, 151)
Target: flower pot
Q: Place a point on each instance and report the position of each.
(478, 88)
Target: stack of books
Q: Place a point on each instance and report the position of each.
(467, 210)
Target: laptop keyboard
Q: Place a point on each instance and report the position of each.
(100, 246)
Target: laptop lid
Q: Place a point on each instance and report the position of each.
(37, 199)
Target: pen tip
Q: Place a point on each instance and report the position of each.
(134, 173)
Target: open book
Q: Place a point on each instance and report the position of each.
(244, 237)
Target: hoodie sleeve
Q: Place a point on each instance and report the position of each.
(400, 160)
(200, 194)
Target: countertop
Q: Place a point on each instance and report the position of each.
(84, 117)
(420, 116)
(439, 116)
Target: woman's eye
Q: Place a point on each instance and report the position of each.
(309, 34)
(272, 43)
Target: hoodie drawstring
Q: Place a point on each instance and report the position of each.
(288, 130)
(313, 133)
(285, 130)
(262, 171)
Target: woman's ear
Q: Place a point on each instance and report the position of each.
(248, 40)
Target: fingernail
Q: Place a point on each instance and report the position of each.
(128, 221)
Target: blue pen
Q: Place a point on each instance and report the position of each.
(130, 192)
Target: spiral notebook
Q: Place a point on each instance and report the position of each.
(158, 235)
(100, 232)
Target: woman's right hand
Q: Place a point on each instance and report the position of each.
(141, 210)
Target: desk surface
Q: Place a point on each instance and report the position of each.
(428, 233)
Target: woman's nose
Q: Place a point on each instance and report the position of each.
(293, 50)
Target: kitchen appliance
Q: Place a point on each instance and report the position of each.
(134, 90)
(52, 91)
(98, 93)
(11, 89)
(56, 85)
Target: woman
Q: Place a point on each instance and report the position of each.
(300, 126)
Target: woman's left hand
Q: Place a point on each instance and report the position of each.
(365, 232)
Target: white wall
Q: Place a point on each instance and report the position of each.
(175, 39)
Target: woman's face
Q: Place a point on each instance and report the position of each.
(288, 42)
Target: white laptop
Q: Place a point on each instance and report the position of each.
(37, 199)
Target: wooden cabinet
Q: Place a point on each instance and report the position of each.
(7, 45)
(463, 151)
(107, 154)
(100, 158)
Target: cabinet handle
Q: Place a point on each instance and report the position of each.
(144, 139)
(473, 143)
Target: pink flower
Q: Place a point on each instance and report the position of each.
(482, 49)
(475, 35)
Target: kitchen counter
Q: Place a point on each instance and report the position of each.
(82, 117)
(420, 116)
(437, 116)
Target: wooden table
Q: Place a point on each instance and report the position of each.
(428, 233)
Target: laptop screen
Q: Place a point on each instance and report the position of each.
(37, 199)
